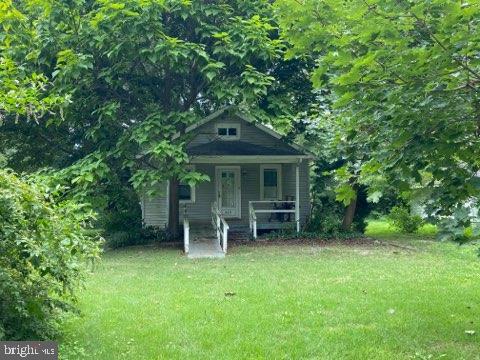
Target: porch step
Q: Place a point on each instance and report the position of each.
(199, 234)
(238, 235)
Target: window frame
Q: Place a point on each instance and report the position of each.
(277, 167)
(192, 190)
(228, 125)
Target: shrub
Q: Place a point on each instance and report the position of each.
(326, 223)
(121, 218)
(44, 248)
(120, 239)
(136, 236)
(153, 234)
(402, 219)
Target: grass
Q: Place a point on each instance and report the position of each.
(382, 228)
(412, 300)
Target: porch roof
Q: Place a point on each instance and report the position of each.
(240, 148)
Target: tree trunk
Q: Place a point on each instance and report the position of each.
(173, 209)
(349, 214)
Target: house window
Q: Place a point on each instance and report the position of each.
(186, 192)
(271, 182)
(227, 131)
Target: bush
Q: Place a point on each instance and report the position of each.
(120, 239)
(154, 234)
(402, 219)
(136, 236)
(44, 248)
(327, 223)
(121, 218)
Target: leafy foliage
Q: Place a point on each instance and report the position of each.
(402, 219)
(44, 246)
(459, 226)
(136, 74)
(23, 92)
(404, 81)
(326, 216)
(136, 236)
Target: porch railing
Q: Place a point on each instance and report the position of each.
(186, 235)
(286, 207)
(252, 217)
(220, 226)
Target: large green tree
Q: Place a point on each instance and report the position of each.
(23, 92)
(404, 78)
(45, 239)
(136, 74)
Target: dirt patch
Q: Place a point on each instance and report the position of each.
(354, 242)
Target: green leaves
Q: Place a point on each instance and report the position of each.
(23, 94)
(45, 246)
(192, 178)
(138, 73)
(401, 218)
(345, 193)
(404, 80)
(212, 69)
(254, 83)
(455, 227)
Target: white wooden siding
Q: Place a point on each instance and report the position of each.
(248, 132)
(155, 209)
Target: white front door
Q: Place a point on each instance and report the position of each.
(228, 190)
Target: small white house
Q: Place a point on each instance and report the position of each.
(257, 180)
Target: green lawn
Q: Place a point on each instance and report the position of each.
(384, 230)
(412, 300)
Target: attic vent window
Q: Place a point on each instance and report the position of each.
(228, 131)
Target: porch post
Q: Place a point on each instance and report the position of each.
(297, 195)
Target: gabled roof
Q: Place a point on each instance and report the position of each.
(300, 149)
(237, 147)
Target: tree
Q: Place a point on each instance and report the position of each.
(45, 238)
(138, 73)
(405, 78)
(45, 243)
(22, 93)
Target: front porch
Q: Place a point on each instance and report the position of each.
(243, 198)
(211, 240)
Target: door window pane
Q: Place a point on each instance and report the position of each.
(228, 189)
(270, 183)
